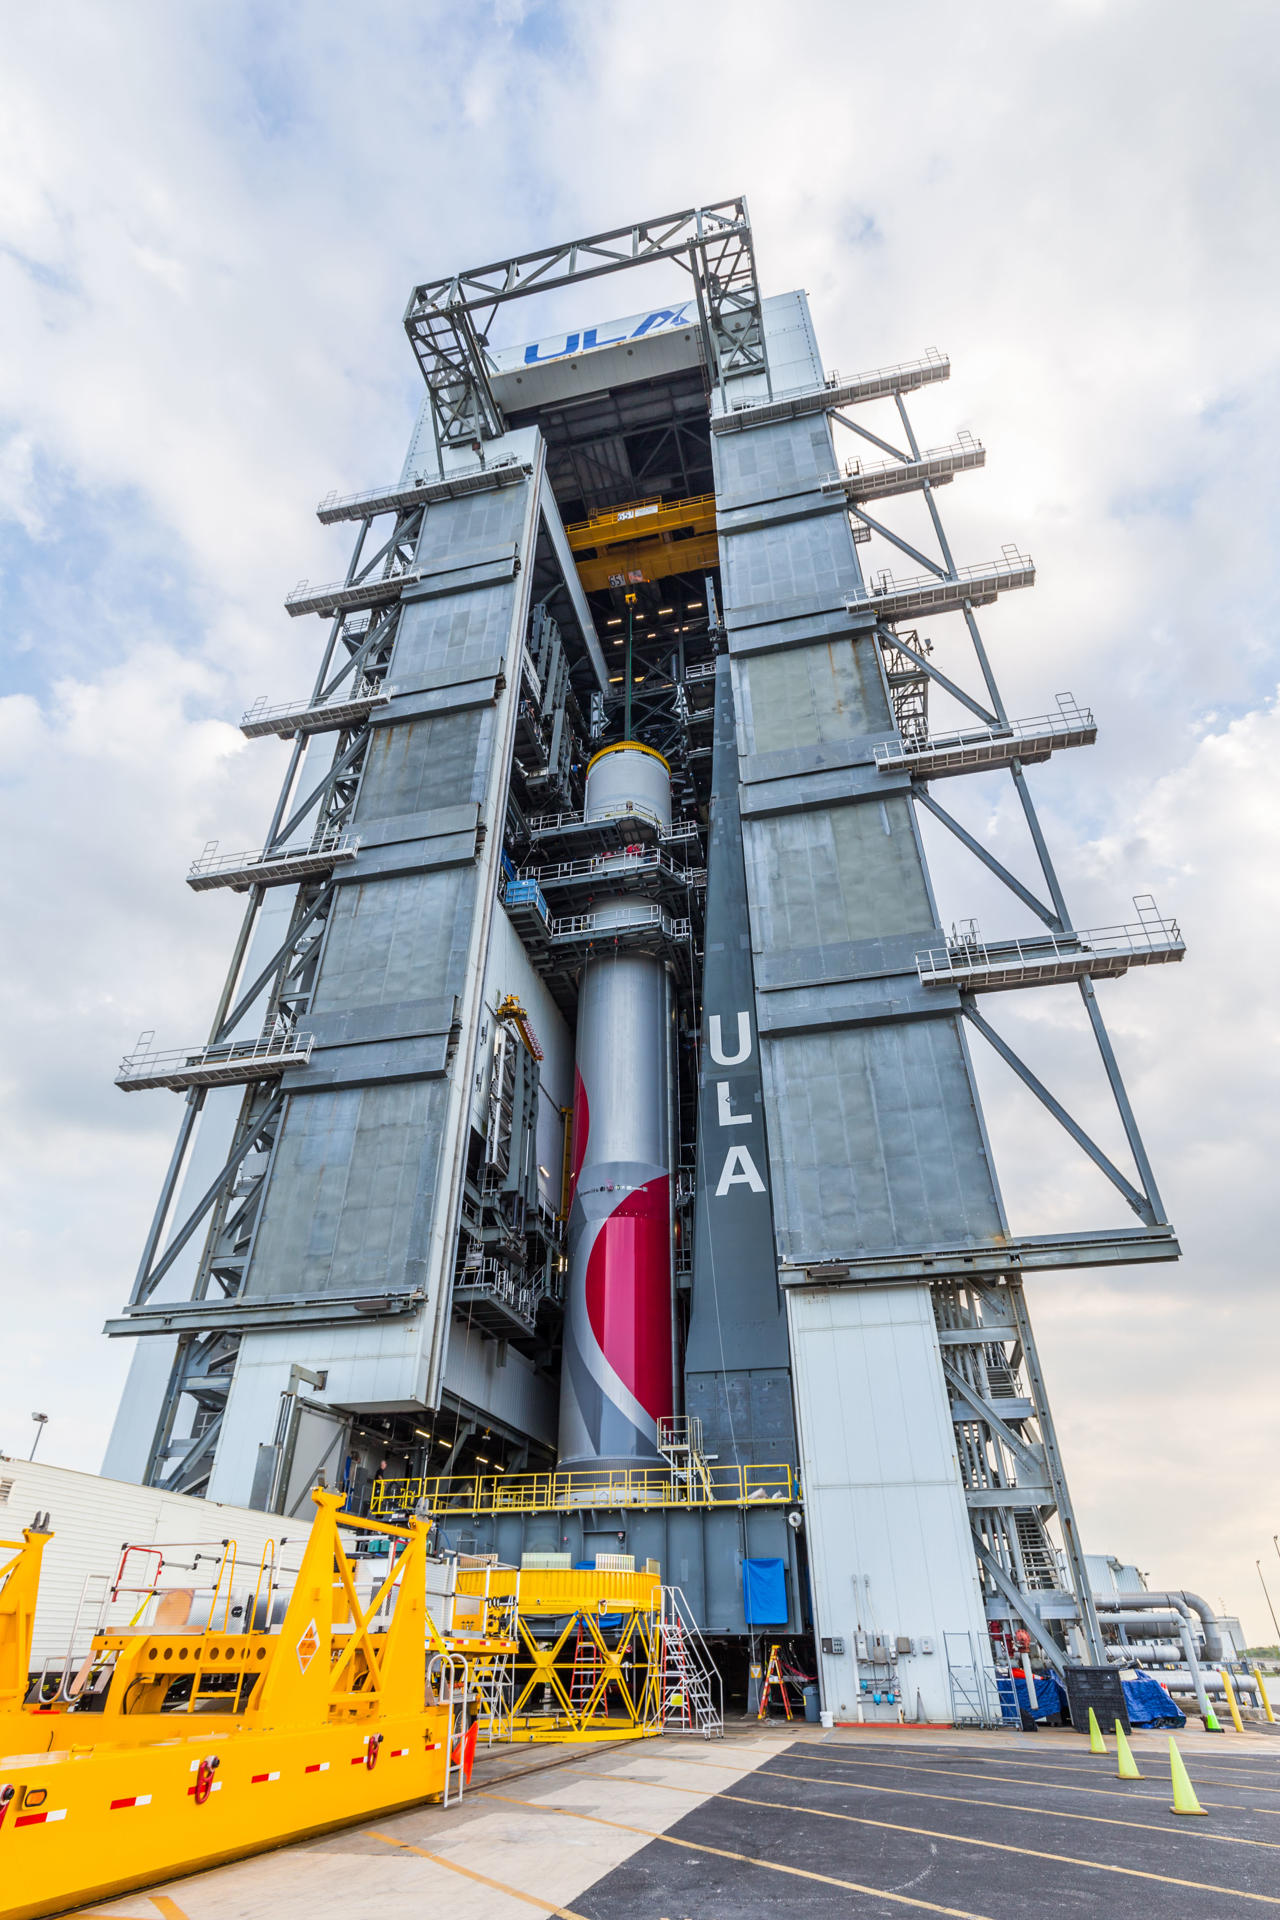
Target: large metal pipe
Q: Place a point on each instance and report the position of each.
(1181, 1600)
(1133, 1608)
(616, 1380)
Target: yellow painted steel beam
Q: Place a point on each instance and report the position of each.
(649, 560)
(643, 520)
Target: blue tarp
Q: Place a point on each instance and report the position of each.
(764, 1592)
(1013, 1687)
(1148, 1705)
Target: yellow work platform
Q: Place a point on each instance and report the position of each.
(712, 1485)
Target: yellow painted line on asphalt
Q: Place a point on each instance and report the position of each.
(1012, 1780)
(1083, 1767)
(495, 1886)
(167, 1907)
(924, 1833)
(959, 1800)
(749, 1859)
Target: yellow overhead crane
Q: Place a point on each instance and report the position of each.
(646, 540)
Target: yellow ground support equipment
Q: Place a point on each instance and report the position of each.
(588, 1659)
(185, 1746)
(646, 540)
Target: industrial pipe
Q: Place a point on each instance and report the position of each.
(1132, 1608)
(1214, 1650)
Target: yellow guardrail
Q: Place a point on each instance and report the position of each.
(716, 1485)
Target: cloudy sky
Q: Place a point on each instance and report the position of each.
(210, 218)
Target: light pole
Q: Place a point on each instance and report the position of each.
(1275, 1623)
(41, 1420)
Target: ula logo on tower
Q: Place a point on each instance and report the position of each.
(610, 333)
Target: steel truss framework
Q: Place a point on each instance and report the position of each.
(355, 658)
(1006, 1443)
(448, 320)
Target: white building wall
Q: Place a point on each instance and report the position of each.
(890, 1550)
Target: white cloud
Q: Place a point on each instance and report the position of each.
(209, 220)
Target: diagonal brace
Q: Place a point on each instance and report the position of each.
(148, 1282)
(895, 640)
(895, 539)
(989, 860)
(281, 953)
(1138, 1201)
(874, 438)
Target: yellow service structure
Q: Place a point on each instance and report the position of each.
(190, 1746)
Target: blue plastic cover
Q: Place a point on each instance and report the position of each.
(764, 1592)
(1148, 1705)
(1014, 1696)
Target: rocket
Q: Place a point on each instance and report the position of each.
(616, 1380)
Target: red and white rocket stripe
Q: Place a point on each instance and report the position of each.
(617, 1372)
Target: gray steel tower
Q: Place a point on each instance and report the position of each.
(638, 533)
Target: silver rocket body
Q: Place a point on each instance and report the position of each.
(616, 1381)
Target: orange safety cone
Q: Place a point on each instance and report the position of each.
(1126, 1765)
(1096, 1742)
(1184, 1794)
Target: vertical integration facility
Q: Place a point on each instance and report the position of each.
(586, 1142)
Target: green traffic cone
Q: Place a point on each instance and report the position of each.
(1184, 1794)
(1096, 1742)
(1126, 1765)
(1211, 1722)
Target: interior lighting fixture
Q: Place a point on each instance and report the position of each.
(666, 609)
(614, 623)
(692, 604)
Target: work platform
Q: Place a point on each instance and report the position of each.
(235, 1063)
(881, 383)
(340, 596)
(881, 479)
(717, 1484)
(400, 497)
(572, 837)
(921, 593)
(272, 866)
(318, 716)
(977, 749)
(1044, 959)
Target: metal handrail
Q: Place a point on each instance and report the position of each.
(372, 692)
(855, 469)
(1069, 718)
(1153, 933)
(279, 1045)
(724, 1485)
(333, 841)
(1012, 563)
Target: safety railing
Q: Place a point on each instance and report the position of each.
(1070, 723)
(329, 848)
(723, 1485)
(314, 716)
(967, 959)
(229, 1064)
(922, 592)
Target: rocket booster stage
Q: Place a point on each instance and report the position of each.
(618, 1338)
